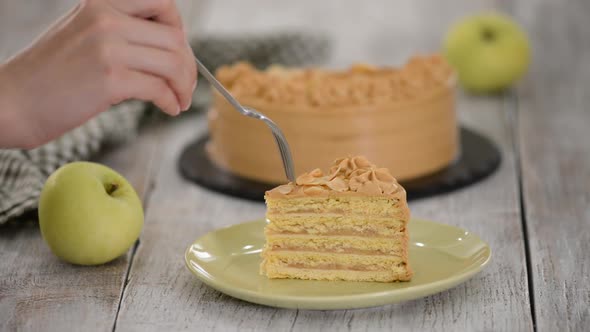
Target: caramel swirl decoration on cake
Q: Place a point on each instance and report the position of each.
(361, 84)
(353, 174)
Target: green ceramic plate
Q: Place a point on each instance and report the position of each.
(442, 257)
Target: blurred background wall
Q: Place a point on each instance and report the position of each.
(22, 20)
(376, 31)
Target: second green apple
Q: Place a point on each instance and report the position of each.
(489, 52)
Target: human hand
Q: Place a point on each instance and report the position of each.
(99, 54)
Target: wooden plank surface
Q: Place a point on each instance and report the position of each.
(163, 295)
(554, 139)
(38, 292)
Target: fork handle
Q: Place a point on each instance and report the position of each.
(209, 77)
(276, 131)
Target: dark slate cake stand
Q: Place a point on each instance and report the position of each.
(479, 158)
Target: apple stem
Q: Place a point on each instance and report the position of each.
(488, 35)
(111, 188)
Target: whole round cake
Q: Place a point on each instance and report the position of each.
(401, 118)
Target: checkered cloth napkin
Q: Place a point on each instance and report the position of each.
(23, 173)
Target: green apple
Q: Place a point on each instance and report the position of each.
(89, 214)
(489, 52)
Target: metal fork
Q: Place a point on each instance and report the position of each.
(276, 131)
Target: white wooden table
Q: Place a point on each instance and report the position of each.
(534, 212)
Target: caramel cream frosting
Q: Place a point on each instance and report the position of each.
(400, 118)
(353, 175)
(362, 84)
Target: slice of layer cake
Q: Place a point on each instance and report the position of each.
(350, 224)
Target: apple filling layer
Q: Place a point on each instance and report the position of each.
(314, 259)
(395, 274)
(341, 251)
(336, 225)
(364, 233)
(306, 213)
(358, 267)
(377, 206)
(338, 244)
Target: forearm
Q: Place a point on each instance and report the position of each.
(13, 132)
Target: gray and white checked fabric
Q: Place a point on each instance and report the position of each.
(23, 173)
